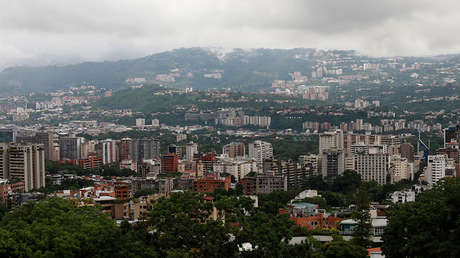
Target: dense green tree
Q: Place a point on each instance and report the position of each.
(68, 183)
(56, 228)
(272, 202)
(346, 183)
(266, 233)
(317, 183)
(333, 199)
(182, 225)
(428, 227)
(298, 250)
(340, 248)
(144, 192)
(362, 231)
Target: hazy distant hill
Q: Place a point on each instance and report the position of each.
(192, 67)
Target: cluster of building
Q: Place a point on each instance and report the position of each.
(234, 117)
(361, 104)
(384, 158)
(310, 216)
(297, 87)
(446, 161)
(22, 163)
(229, 117)
(386, 126)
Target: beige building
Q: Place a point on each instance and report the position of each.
(234, 149)
(260, 151)
(372, 162)
(23, 162)
(400, 168)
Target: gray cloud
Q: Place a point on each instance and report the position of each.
(57, 32)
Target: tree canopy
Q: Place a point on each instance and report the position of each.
(57, 228)
(428, 227)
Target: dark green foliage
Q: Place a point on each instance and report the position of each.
(182, 224)
(114, 170)
(56, 228)
(66, 184)
(53, 167)
(347, 183)
(341, 248)
(293, 147)
(334, 199)
(271, 203)
(343, 191)
(245, 70)
(269, 233)
(144, 192)
(322, 203)
(379, 193)
(362, 231)
(179, 226)
(428, 227)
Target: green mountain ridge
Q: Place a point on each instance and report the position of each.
(248, 70)
(243, 69)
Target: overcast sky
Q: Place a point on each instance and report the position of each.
(41, 32)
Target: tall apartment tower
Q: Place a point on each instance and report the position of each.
(70, 148)
(331, 140)
(407, 151)
(145, 148)
(4, 160)
(45, 138)
(436, 169)
(372, 162)
(24, 162)
(451, 134)
(311, 161)
(260, 151)
(125, 149)
(331, 151)
(234, 149)
(169, 163)
(190, 150)
(178, 150)
(332, 163)
(109, 151)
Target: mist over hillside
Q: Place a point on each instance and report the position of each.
(199, 68)
(192, 67)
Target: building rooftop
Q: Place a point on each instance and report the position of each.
(105, 198)
(303, 205)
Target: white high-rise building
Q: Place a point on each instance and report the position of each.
(238, 168)
(371, 162)
(331, 140)
(331, 150)
(109, 151)
(140, 122)
(260, 150)
(436, 169)
(155, 123)
(190, 150)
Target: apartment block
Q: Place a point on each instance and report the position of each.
(23, 162)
